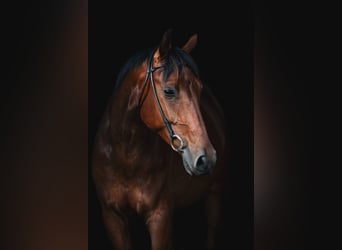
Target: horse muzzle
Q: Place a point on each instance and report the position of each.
(200, 163)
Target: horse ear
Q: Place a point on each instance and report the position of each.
(190, 44)
(165, 44)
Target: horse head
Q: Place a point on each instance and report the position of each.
(169, 103)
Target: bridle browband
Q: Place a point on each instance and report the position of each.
(173, 137)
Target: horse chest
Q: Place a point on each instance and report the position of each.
(139, 195)
(141, 199)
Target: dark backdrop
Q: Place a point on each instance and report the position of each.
(224, 55)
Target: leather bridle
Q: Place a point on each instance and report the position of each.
(173, 137)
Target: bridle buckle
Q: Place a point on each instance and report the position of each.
(181, 143)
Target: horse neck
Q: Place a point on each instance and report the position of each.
(129, 134)
(124, 121)
(140, 150)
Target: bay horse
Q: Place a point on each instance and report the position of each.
(160, 146)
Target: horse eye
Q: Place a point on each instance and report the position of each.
(170, 92)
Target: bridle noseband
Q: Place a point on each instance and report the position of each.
(173, 137)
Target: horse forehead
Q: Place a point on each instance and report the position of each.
(185, 75)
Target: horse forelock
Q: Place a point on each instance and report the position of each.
(176, 60)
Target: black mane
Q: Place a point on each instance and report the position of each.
(133, 62)
(176, 58)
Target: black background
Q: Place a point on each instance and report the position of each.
(47, 202)
(224, 55)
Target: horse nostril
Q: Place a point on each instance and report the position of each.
(202, 163)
